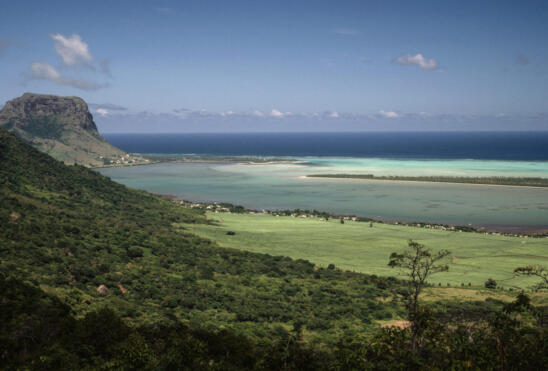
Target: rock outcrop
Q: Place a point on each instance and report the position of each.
(62, 127)
(102, 290)
(70, 111)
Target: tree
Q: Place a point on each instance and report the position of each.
(135, 252)
(418, 263)
(535, 271)
(490, 284)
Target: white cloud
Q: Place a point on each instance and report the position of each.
(45, 71)
(107, 106)
(258, 113)
(334, 115)
(418, 60)
(388, 114)
(42, 70)
(73, 50)
(101, 111)
(276, 113)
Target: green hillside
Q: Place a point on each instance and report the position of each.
(70, 230)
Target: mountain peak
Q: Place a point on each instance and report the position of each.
(62, 127)
(71, 111)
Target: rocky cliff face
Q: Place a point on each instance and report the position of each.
(62, 127)
(68, 111)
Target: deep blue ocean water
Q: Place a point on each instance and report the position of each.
(522, 146)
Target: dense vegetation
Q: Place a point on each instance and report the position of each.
(38, 331)
(495, 180)
(94, 275)
(71, 231)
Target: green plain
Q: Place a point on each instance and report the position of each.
(358, 247)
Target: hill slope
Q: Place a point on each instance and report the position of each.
(62, 127)
(71, 230)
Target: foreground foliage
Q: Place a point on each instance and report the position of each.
(38, 331)
(418, 264)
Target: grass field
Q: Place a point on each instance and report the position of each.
(358, 247)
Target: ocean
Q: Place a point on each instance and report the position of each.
(518, 146)
(285, 186)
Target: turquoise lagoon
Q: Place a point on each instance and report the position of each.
(284, 186)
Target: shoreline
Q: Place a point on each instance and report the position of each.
(532, 231)
(212, 160)
(509, 229)
(307, 177)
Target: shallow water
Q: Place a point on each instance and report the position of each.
(281, 186)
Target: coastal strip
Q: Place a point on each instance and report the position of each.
(535, 182)
(247, 160)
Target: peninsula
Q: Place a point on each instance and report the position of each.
(496, 180)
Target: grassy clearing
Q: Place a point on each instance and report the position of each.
(357, 247)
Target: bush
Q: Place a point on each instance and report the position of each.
(490, 284)
(135, 252)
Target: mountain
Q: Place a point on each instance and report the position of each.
(62, 127)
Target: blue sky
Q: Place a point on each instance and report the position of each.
(161, 66)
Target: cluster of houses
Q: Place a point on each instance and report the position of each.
(214, 207)
(126, 159)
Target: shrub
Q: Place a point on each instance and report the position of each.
(135, 252)
(490, 284)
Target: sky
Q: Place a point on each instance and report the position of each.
(233, 66)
